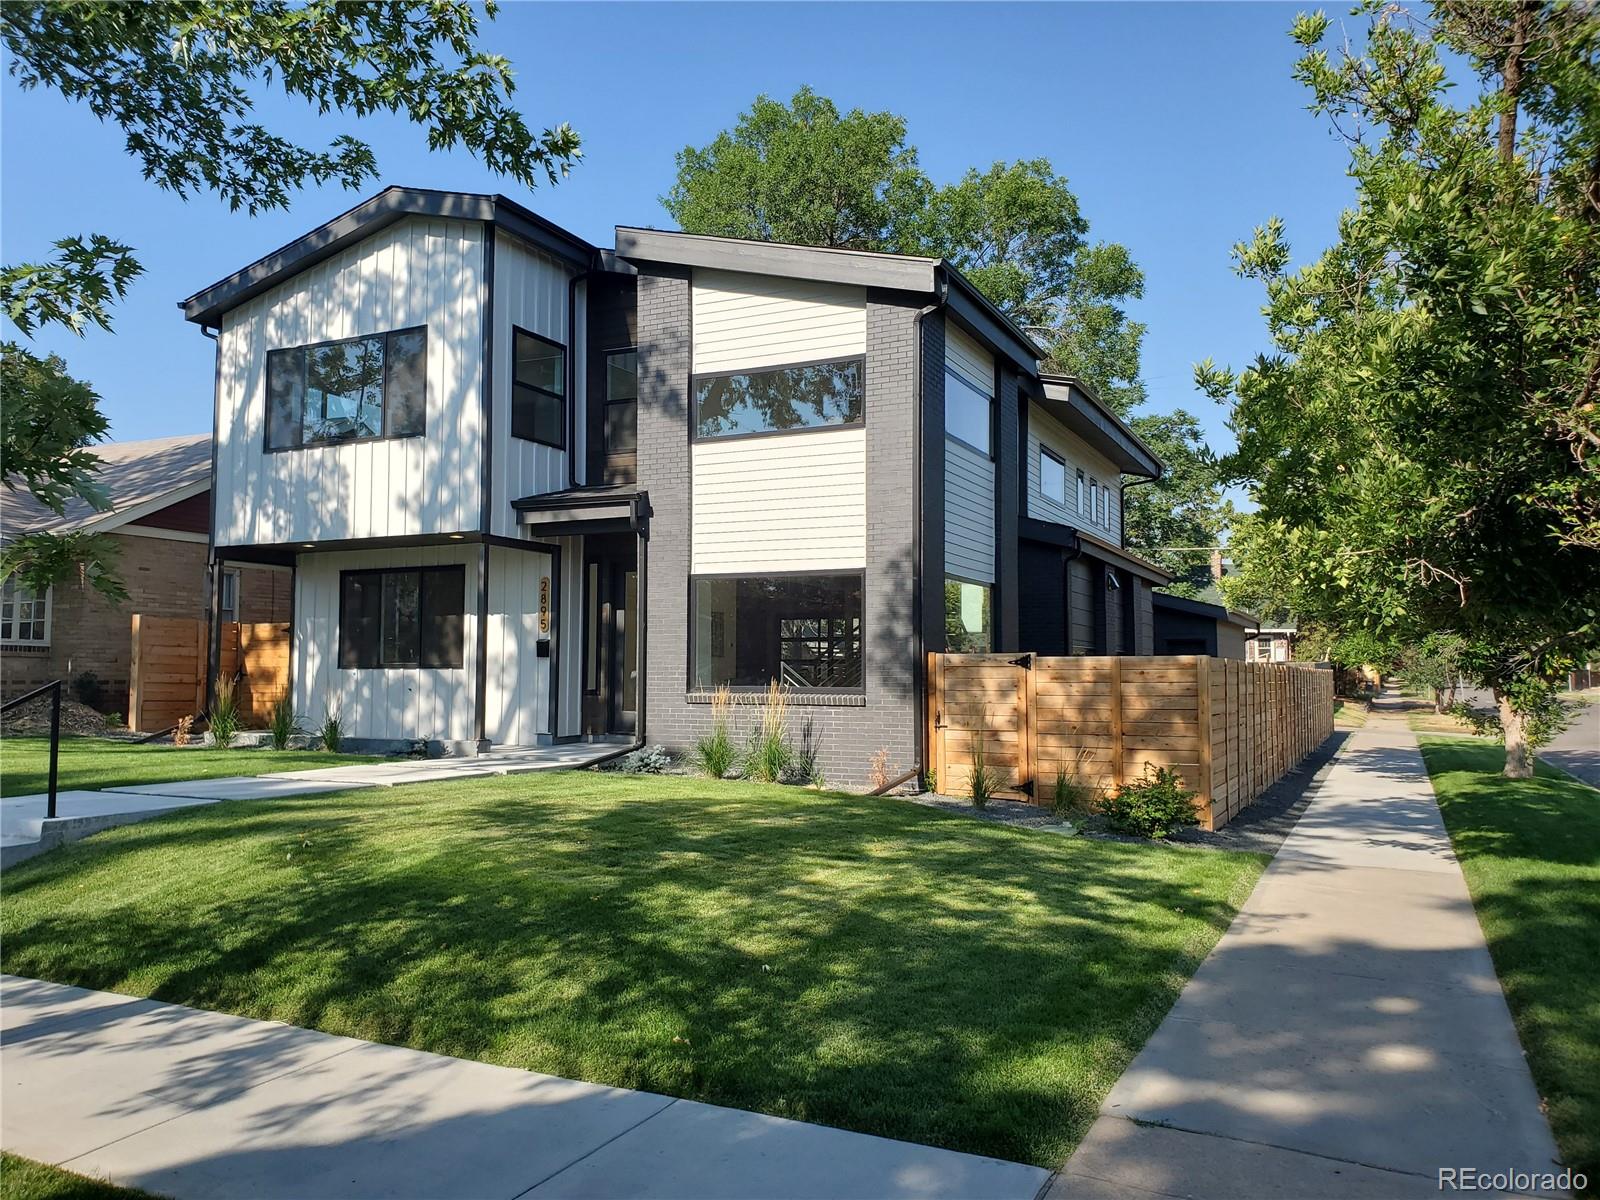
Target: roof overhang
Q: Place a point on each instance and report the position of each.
(583, 510)
(1074, 404)
(1199, 608)
(393, 204)
(1075, 541)
(931, 277)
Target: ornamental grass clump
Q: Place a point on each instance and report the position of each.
(715, 753)
(984, 781)
(223, 718)
(282, 724)
(769, 755)
(332, 731)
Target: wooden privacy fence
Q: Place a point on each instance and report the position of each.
(1230, 729)
(167, 677)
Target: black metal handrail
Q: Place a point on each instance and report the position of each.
(55, 732)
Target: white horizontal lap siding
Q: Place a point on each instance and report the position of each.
(745, 322)
(789, 502)
(530, 292)
(969, 482)
(416, 272)
(412, 702)
(518, 694)
(1044, 429)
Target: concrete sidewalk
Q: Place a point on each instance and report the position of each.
(196, 1105)
(1348, 1035)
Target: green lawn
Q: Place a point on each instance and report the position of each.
(24, 1179)
(865, 963)
(88, 763)
(1347, 714)
(1531, 853)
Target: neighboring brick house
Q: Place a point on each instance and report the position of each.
(160, 511)
(534, 489)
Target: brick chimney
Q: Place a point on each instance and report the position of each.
(1216, 564)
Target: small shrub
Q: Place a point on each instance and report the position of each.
(1072, 795)
(878, 771)
(332, 732)
(114, 720)
(282, 724)
(1154, 806)
(769, 756)
(86, 689)
(930, 781)
(985, 780)
(647, 760)
(715, 753)
(184, 733)
(223, 719)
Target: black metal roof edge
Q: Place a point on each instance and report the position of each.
(578, 495)
(1113, 425)
(392, 204)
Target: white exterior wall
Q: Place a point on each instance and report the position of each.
(969, 476)
(416, 272)
(530, 292)
(517, 701)
(794, 501)
(414, 702)
(742, 322)
(790, 502)
(1044, 429)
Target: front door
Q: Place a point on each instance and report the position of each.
(610, 639)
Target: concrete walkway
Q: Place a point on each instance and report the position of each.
(1348, 1035)
(196, 1105)
(25, 830)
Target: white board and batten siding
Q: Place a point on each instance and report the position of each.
(417, 272)
(428, 702)
(969, 477)
(530, 292)
(792, 501)
(1045, 430)
(415, 702)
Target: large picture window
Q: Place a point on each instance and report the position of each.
(802, 630)
(407, 617)
(967, 412)
(24, 615)
(968, 617)
(538, 389)
(353, 390)
(811, 396)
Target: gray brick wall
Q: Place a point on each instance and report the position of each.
(842, 736)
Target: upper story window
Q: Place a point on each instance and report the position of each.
(1080, 491)
(410, 617)
(968, 413)
(357, 389)
(622, 402)
(24, 615)
(806, 396)
(1052, 476)
(538, 389)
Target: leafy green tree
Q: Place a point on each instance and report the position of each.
(1421, 440)
(799, 172)
(181, 80)
(1169, 521)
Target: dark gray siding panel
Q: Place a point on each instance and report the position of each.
(1081, 605)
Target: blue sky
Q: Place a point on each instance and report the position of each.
(1178, 126)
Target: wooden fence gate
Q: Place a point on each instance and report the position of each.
(1230, 729)
(167, 674)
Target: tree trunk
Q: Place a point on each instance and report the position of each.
(1511, 77)
(1438, 701)
(1519, 759)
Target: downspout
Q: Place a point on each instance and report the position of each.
(572, 376)
(920, 667)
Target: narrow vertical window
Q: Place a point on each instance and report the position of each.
(1080, 491)
(538, 389)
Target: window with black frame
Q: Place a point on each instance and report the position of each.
(1052, 475)
(622, 402)
(538, 389)
(805, 631)
(968, 412)
(780, 399)
(357, 389)
(402, 617)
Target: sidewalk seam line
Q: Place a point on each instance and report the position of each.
(538, 1183)
(1228, 1137)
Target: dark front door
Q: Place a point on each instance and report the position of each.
(610, 638)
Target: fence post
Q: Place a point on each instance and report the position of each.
(1116, 722)
(1202, 697)
(1030, 726)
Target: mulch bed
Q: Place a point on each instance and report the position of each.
(78, 720)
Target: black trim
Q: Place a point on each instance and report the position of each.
(858, 573)
(480, 683)
(694, 400)
(214, 642)
(405, 569)
(566, 401)
(486, 334)
(323, 444)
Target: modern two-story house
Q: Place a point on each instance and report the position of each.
(532, 489)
